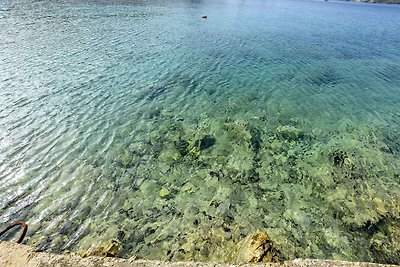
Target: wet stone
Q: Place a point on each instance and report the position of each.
(256, 248)
(107, 249)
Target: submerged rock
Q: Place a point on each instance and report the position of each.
(338, 158)
(256, 248)
(164, 193)
(385, 242)
(182, 146)
(107, 249)
(289, 133)
(206, 142)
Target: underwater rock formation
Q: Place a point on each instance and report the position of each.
(289, 132)
(107, 249)
(205, 142)
(192, 186)
(256, 248)
(164, 193)
(385, 240)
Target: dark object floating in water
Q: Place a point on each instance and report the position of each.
(203, 17)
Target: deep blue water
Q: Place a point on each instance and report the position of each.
(178, 136)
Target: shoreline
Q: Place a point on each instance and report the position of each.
(16, 255)
(377, 1)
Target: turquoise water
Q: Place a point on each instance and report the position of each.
(140, 122)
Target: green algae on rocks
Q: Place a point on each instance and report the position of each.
(317, 194)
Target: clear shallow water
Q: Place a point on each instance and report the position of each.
(178, 136)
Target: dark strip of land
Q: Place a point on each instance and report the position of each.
(379, 1)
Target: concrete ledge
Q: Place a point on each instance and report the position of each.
(16, 255)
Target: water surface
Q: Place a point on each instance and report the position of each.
(178, 136)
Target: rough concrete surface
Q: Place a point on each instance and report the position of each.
(16, 255)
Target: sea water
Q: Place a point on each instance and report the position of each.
(178, 136)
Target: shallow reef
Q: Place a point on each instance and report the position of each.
(195, 184)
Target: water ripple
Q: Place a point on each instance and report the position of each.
(105, 105)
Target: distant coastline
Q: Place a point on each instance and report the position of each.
(379, 1)
(373, 1)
